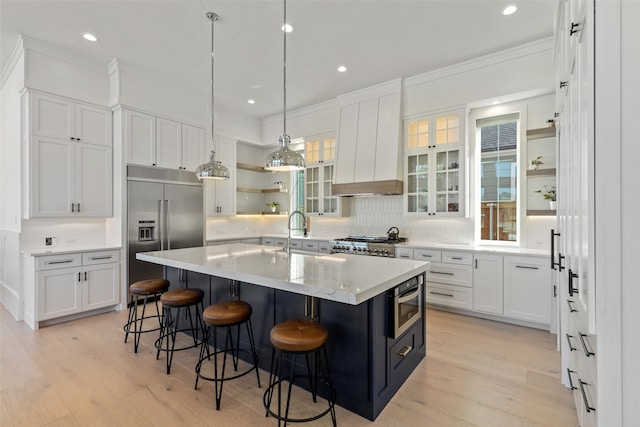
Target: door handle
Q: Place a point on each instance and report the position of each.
(167, 215)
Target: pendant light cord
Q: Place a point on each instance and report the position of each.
(213, 17)
(284, 80)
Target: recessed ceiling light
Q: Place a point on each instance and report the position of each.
(342, 68)
(89, 37)
(287, 27)
(509, 10)
(496, 102)
(251, 101)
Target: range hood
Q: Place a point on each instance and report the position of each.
(369, 152)
(370, 188)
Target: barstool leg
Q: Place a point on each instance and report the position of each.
(272, 370)
(132, 304)
(137, 331)
(253, 349)
(293, 367)
(331, 389)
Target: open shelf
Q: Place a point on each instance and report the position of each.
(542, 172)
(541, 212)
(250, 167)
(548, 132)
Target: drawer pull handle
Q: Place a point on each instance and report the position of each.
(426, 256)
(93, 258)
(405, 350)
(442, 294)
(458, 258)
(405, 256)
(442, 272)
(62, 261)
(526, 266)
(571, 347)
(587, 352)
(570, 304)
(571, 386)
(588, 407)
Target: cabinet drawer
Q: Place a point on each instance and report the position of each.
(450, 274)
(267, 241)
(465, 258)
(280, 242)
(101, 257)
(404, 253)
(310, 246)
(50, 262)
(452, 296)
(427, 255)
(296, 244)
(324, 247)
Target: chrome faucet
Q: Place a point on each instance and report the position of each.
(304, 228)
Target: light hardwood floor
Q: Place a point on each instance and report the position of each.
(476, 373)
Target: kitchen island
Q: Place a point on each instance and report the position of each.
(348, 294)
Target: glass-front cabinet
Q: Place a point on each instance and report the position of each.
(320, 155)
(434, 165)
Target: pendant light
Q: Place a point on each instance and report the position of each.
(212, 169)
(284, 159)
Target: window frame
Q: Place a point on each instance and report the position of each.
(482, 113)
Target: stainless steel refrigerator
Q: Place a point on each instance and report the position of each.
(165, 211)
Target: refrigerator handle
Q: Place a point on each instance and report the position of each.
(167, 217)
(161, 223)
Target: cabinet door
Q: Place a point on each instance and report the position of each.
(93, 125)
(141, 138)
(52, 177)
(527, 289)
(220, 195)
(193, 147)
(225, 151)
(312, 190)
(487, 283)
(59, 293)
(168, 144)
(93, 180)
(52, 116)
(100, 286)
(447, 181)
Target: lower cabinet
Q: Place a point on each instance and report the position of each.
(74, 283)
(487, 283)
(449, 282)
(527, 289)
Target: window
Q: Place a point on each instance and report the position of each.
(497, 141)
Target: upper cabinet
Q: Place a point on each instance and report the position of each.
(434, 164)
(157, 141)
(220, 194)
(368, 138)
(70, 169)
(320, 154)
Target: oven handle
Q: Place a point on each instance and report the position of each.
(405, 297)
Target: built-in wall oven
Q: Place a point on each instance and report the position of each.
(405, 305)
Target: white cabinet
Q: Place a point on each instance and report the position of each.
(68, 284)
(527, 289)
(220, 195)
(449, 282)
(320, 155)
(487, 283)
(70, 159)
(161, 142)
(434, 164)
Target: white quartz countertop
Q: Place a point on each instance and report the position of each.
(67, 250)
(472, 248)
(346, 278)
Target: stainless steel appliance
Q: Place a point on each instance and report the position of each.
(405, 302)
(165, 211)
(367, 245)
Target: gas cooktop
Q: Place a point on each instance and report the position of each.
(367, 245)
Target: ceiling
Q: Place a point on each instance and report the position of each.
(378, 40)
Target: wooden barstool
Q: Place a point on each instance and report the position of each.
(294, 337)
(226, 314)
(176, 299)
(143, 289)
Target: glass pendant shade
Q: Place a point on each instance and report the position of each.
(212, 169)
(284, 158)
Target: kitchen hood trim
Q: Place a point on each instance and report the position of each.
(388, 188)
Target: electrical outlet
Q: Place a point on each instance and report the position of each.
(48, 241)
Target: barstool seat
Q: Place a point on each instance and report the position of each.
(177, 299)
(226, 314)
(299, 337)
(143, 289)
